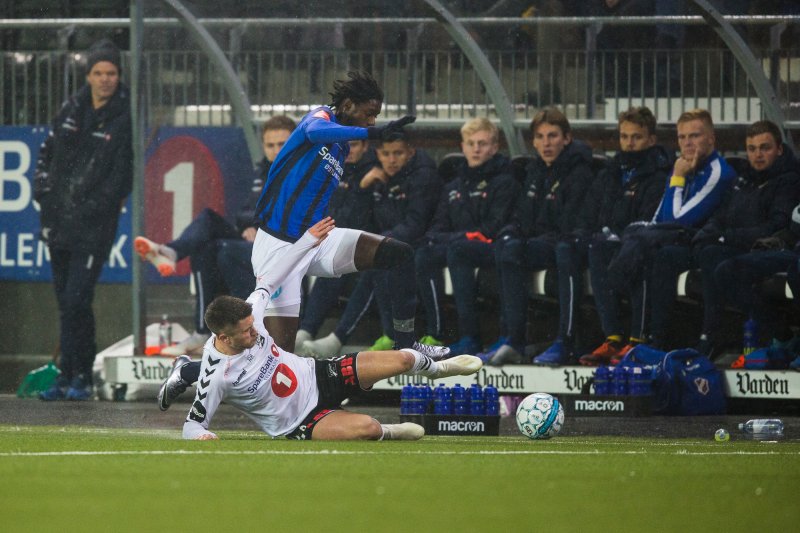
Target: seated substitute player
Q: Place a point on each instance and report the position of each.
(472, 209)
(293, 396)
(219, 250)
(759, 206)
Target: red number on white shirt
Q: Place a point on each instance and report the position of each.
(284, 382)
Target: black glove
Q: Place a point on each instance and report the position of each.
(389, 132)
(769, 243)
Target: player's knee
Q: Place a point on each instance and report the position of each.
(391, 253)
(369, 429)
(405, 359)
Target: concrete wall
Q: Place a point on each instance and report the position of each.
(29, 314)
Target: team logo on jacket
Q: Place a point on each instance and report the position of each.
(702, 386)
(482, 185)
(284, 381)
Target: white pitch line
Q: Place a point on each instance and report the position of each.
(381, 452)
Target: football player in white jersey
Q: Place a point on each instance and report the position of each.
(293, 396)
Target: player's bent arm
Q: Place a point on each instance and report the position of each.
(292, 257)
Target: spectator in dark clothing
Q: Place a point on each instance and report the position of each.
(404, 192)
(758, 206)
(548, 210)
(654, 255)
(743, 275)
(472, 209)
(218, 249)
(625, 50)
(629, 190)
(82, 177)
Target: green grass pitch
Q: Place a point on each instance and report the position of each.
(89, 479)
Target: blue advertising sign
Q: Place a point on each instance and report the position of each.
(187, 170)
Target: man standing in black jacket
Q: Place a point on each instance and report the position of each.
(82, 177)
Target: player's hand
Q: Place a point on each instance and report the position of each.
(373, 176)
(388, 132)
(684, 166)
(321, 229)
(249, 234)
(207, 436)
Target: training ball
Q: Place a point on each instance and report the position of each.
(540, 416)
(722, 435)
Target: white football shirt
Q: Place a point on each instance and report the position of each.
(275, 388)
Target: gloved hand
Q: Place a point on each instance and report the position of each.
(477, 236)
(388, 132)
(769, 243)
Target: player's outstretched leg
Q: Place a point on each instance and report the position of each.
(174, 385)
(375, 366)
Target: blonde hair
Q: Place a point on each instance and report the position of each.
(697, 114)
(475, 125)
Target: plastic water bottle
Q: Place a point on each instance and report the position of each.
(750, 336)
(440, 400)
(459, 400)
(637, 381)
(419, 400)
(476, 405)
(763, 428)
(428, 398)
(602, 380)
(491, 400)
(405, 400)
(619, 381)
(164, 331)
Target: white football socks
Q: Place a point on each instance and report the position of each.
(423, 365)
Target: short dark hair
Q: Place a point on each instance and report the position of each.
(553, 116)
(226, 311)
(280, 122)
(395, 137)
(765, 126)
(641, 116)
(360, 88)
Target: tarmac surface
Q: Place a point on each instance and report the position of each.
(145, 414)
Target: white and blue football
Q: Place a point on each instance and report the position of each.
(540, 416)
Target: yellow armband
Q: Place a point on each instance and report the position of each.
(677, 181)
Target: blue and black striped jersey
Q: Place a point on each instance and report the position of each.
(304, 175)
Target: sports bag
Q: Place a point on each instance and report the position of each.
(688, 383)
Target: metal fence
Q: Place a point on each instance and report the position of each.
(440, 86)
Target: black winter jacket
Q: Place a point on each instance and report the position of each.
(404, 207)
(553, 196)
(477, 199)
(758, 205)
(84, 172)
(618, 204)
